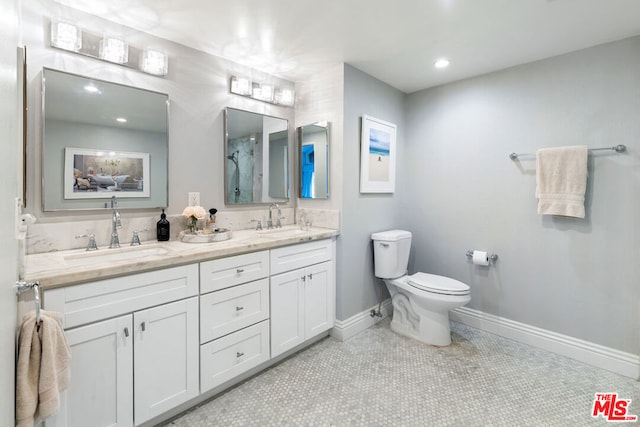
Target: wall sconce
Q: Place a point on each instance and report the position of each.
(72, 38)
(265, 92)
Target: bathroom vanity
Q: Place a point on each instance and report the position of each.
(154, 335)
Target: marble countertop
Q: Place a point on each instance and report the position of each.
(63, 268)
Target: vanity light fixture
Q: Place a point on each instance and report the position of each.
(72, 38)
(66, 36)
(442, 63)
(286, 97)
(241, 86)
(114, 50)
(266, 92)
(154, 62)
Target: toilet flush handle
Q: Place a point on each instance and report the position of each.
(384, 245)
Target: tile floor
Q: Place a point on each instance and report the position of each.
(381, 379)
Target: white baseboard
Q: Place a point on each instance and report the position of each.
(345, 329)
(622, 363)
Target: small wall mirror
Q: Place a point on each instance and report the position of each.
(313, 141)
(256, 158)
(102, 139)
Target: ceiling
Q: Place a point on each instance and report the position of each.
(394, 41)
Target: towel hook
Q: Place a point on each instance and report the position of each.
(25, 286)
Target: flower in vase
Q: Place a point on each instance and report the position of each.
(193, 214)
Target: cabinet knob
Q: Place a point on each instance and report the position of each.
(126, 332)
(239, 354)
(238, 308)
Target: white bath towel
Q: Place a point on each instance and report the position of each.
(561, 178)
(42, 372)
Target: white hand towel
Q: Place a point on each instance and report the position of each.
(43, 368)
(561, 178)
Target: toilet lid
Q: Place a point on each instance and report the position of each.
(438, 284)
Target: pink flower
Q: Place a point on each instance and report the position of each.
(197, 212)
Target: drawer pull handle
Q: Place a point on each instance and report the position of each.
(310, 276)
(304, 278)
(126, 332)
(143, 326)
(238, 308)
(240, 270)
(238, 354)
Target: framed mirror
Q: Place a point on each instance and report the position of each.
(313, 143)
(102, 139)
(256, 160)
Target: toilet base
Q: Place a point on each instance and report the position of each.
(431, 328)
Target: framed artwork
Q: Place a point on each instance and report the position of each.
(378, 156)
(100, 174)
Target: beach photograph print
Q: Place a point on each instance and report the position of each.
(379, 144)
(377, 156)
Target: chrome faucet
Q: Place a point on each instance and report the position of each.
(270, 221)
(115, 224)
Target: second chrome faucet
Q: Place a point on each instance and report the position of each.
(116, 223)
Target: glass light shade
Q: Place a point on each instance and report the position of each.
(241, 86)
(114, 50)
(154, 62)
(286, 97)
(66, 36)
(267, 92)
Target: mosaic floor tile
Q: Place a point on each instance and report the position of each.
(379, 378)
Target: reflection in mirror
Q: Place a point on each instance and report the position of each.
(256, 158)
(313, 141)
(102, 139)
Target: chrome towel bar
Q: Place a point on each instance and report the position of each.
(620, 148)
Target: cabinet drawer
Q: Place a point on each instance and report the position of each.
(228, 310)
(226, 272)
(90, 302)
(229, 356)
(296, 256)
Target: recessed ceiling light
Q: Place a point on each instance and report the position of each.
(441, 63)
(121, 120)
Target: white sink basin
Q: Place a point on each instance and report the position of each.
(106, 256)
(283, 232)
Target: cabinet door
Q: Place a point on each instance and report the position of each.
(287, 310)
(166, 357)
(319, 299)
(101, 388)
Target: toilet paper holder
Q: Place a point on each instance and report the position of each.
(492, 257)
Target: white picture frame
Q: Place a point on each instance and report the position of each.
(101, 174)
(377, 156)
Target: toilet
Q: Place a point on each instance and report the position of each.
(421, 301)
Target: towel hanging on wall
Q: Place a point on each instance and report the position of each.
(42, 372)
(561, 180)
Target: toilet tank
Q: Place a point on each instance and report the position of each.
(391, 253)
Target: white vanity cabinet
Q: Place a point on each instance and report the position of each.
(234, 317)
(302, 293)
(134, 346)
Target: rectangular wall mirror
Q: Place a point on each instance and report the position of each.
(102, 139)
(313, 142)
(256, 158)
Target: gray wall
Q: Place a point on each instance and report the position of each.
(10, 129)
(363, 214)
(577, 277)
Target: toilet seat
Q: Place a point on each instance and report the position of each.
(438, 284)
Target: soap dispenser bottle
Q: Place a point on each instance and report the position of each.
(163, 228)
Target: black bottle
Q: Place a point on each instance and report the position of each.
(163, 228)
